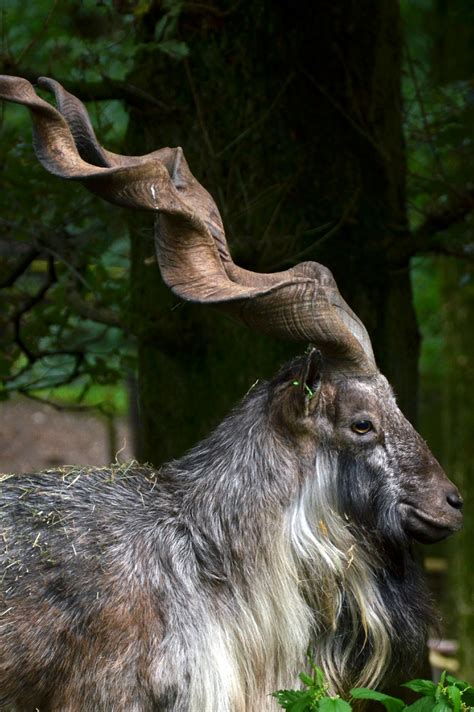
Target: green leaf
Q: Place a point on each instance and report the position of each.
(454, 694)
(141, 7)
(295, 700)
(333, 704)
(462, 684)
(6, 364)
(424, 704)
(468, 696)
(160, 27)
(174, 48)
(306, 679)
(441, 706)
(301, 706)
(318, 675)
(392, 704)
(423, 687)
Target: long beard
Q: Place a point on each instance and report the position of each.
(371, 610)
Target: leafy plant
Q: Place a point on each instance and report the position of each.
(448, 694)
(313, 697)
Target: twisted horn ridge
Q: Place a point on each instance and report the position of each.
(302, 303)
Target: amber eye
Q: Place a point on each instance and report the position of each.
(361, 427)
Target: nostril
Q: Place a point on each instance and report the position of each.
(455, 500)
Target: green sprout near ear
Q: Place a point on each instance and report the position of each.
(309, 391)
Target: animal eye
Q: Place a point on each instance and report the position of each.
(361, 427)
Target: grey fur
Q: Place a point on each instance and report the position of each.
(199, 587)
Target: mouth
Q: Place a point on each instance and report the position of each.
(425, 528)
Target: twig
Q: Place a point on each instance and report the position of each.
(441, 219)
(320, 241)
(61, 406)
(278, 206)
(199, 109)
(463, 252)
(27, 306)
(266, 115)
(379, 149)
(74, 271)
(20, 267)
(426, 124)
(94, 312)
(423, 238)
(105, 90)
(202, 9)
(38, 35)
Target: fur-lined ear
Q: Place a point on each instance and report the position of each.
(296, 391)
(308, 382)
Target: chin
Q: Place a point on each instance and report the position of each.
(428, 529)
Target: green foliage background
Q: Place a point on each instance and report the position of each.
(448, 694)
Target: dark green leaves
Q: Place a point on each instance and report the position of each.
(310, 700)
(174, 48)
(333, 704)
(166, 29)
(423, 687)
(449, 695)
(295, 700)
(313, 698)
(424, 704)
(391, 704)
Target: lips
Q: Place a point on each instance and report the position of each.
(427, 528)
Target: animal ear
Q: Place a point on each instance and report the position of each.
(307, 383)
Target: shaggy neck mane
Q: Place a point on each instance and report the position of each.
(285, 572)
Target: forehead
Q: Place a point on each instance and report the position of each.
(364, 394)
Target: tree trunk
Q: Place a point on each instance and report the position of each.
(290, 114)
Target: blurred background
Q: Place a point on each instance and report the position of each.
(341, 132)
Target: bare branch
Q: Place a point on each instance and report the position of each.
(261, 119)
(20, 267)
(199, 109)
(93, 312)
(27, 306)
(107, 89)
(381, 152)
(443, 244)
(427, 237)
(39, 34)
(346, 214)
(426, 123)
(65, 407)
(197, 8)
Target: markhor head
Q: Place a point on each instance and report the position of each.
(387, 483)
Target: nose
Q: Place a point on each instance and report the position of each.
(454, 499)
